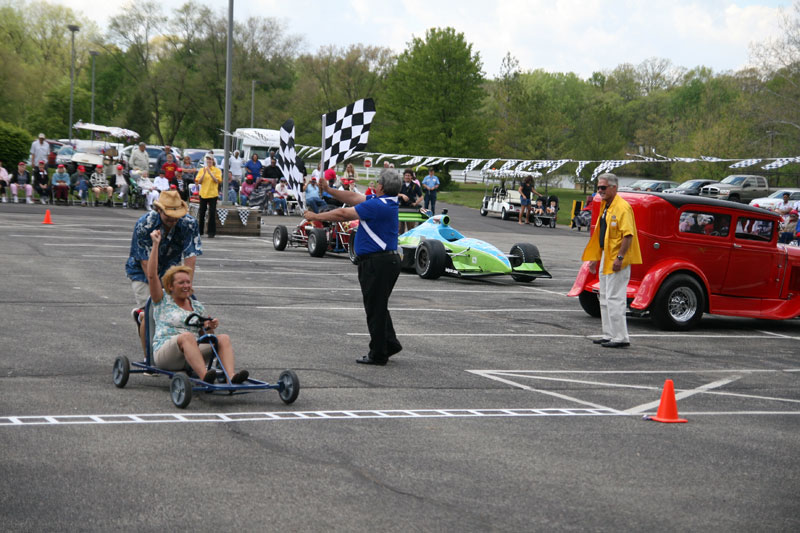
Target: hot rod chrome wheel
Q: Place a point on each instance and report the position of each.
(679, 303)
(682, 304)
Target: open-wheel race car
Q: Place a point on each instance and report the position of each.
(434, 248)
(318, 237)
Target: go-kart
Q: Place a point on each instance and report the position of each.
(183, 383)
(434, 248)
(318, 237)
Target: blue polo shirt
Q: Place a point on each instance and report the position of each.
(181, 242)
(378, 226)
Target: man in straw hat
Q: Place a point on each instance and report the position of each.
(180, 243)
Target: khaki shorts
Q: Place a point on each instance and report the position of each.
(141, 292)
(170, 356)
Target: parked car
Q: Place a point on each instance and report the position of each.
(775, 199)
(650, 185)
(153, 152)
(737, 188)
(701, 255)
(690, 187)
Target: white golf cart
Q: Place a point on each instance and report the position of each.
(504, 198)
(99, 151)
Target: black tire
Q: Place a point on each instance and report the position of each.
(590, 303)
(180, 390)
(351, 246)
(553, 222)
(734, 198)
(537, 222)
(503, 214)
(122, 371)
(526, 253)
(484, 212)
(431, 259)
(289, 386)
(280, 237)
(679, 303)
(317, 242)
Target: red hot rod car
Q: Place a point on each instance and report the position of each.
(701, 255)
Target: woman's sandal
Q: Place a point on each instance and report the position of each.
(240, 377)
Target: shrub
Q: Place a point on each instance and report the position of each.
(14, 145)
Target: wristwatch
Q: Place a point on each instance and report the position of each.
(620, 257)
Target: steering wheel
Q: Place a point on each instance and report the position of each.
(195, 320)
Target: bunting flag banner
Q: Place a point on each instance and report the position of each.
(472, 164)
(581, 164)
(413, 161)
(523, 165)
(778, 163)
(558, 164)
(287, 161)
(541, 164)
(489, 163)
(244, 214)
(222, 215)
(508, 164)
(745, 163)
(346, 131)
(685, 159)
(608, 166)
(710, 159)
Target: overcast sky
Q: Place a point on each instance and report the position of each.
(578, 36)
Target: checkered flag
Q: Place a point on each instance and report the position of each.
(346, 131)
(287, 161)
(778, 163)
(558, 164)
(745, 163)
(581, 164)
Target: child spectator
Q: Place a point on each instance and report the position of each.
(233, 190)
(80, 185)
(539, 209)
(246, 189)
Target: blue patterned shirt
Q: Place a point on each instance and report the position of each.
(169, 319)
(181, 242)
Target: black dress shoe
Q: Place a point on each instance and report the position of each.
(367, 360)
(614, 344)
(391, 350)
(601, 341)
(210, 236)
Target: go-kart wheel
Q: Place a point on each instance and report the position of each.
(289, 386)
(431, 259)
(180, 389)
(121, 372)
(590, 303)
(351, 246)
(280, 237)
(523, 252)
(317, 242)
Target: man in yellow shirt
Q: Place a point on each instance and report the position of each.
(614, 247)
(209, 177)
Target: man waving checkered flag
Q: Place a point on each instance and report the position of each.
(287, 161)
(346, 131)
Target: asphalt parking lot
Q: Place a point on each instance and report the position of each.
(499, 414)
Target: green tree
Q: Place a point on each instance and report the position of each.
(434, 95)
(15, 144)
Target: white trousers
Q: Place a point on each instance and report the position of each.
(614, 304)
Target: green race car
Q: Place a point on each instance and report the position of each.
(434, 248)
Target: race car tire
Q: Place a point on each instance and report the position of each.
(590, 303)
(317, 242)
(679, 303)
(407, 258)
(280, 237)
(351, 246)
(527, 253)
(431, 259)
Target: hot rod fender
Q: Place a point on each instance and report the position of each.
(583, 278)
(655, 277)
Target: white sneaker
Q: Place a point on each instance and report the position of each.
(44, 202)
(28, 200)
(125, 205)
(5, 200)
(16, 200)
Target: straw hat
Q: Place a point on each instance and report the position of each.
(170, 202)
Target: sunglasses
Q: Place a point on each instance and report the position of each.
(603, 187)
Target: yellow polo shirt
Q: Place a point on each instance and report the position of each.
(619, 223)
(209, 188)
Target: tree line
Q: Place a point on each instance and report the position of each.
(162, 74)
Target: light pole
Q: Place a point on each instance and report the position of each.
(94, 54)
(228, 90)
(73, 28)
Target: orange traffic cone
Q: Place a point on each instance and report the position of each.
(47, 219)
(668, 407)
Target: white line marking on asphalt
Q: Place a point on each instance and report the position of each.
(548, 393)
(781, 335)
(684, 394)
(699, 371)
(545, 290)
(273, 272)
(581, 381)
(423, 309)
(81, 237)
(76, 245)
(161, 418)
(567, 335)
(305, 289)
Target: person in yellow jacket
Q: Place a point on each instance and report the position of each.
(209, 177)
(613, 247)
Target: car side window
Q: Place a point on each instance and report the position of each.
(754, 229)
(704, 223)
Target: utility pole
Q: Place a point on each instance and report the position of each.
(73, 28)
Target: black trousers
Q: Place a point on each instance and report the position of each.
(211, 205)
(377, 276)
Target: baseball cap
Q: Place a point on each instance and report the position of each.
(793, 212)
(119, 167)
(330, 174)
(41, 136)
(81, 168)
(21, 164)
(283, 179)
(41, 161)
(61, 166)
(313, 178)
(99, 166)
(179, 169)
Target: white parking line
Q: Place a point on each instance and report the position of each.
(304, 289)
(683, 394)
(81, 237)
(423, 309)
(569, 335)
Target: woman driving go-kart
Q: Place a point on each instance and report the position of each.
(175, 340)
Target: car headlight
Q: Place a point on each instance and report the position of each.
(724, 193)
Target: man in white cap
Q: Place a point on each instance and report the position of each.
(40, 149)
